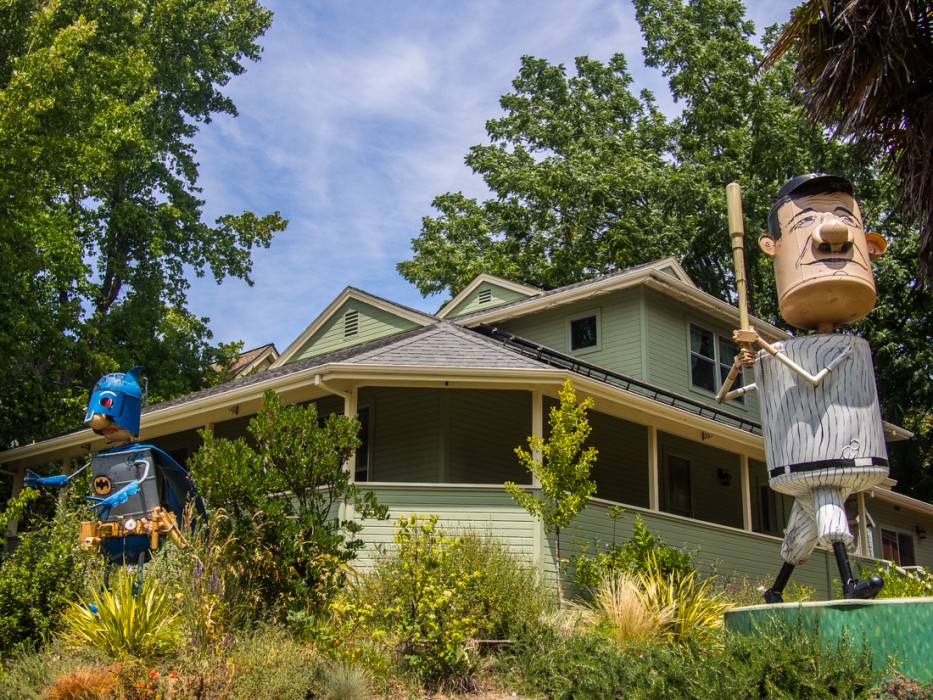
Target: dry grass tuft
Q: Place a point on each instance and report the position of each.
(83, 684)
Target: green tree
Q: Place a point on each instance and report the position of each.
(588, 178)
(562, 470)
(100, 219)
(282, 489)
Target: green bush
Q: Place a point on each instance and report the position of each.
(631, 557)
(48, 568)
(916, 582)
(433, 593)
(780, 663)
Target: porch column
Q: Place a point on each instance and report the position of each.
(862, 526)
(654, 488)
(537, 426)
(350, 409)
(746, 493)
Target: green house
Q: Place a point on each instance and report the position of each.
(445, 398)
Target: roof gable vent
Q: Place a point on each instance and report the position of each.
(484, 296)
(351, 323)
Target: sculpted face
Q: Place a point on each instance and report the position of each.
(822, 260)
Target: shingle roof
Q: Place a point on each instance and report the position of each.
(442, 344)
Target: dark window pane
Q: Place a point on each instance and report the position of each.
(583, 333)
(702, 373)
(701, 342)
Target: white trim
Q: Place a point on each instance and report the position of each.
(351, 293)
(477, 281)
(568, 323)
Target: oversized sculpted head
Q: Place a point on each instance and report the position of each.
(822, 255)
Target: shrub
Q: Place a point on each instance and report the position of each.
(899, 687)
(631, 557)
(204, 581)
(782, 663)
(45, 571)
(434, 593)
(126, 623)
(916, 582)
(292, 545)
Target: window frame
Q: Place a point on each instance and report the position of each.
(720, 365)
(364, 414)
(898, 539)
(597, 346)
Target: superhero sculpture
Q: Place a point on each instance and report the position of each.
(140, 492)
(819, 406)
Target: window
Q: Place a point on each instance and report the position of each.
(679, 491)
(898, 547)
(584, 332)
(711, 358)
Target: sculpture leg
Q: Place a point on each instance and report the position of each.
(800, 538)
(852, 587)
(775, 594)
(833, 525)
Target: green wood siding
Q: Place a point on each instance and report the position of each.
(621, 469)
(619, 331)
(485, 429)
(487, 510)
(406, 433)
(487, 295)
(371, 324)
(736, 556)
(712, 501)
(668, 352)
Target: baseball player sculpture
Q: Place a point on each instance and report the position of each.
(819, 405)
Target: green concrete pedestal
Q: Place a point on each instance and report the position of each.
(899, 627)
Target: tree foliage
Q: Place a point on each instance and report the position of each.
(100, 218)
(562, 469)
(864, 68)
(587, 178)
(282, 490)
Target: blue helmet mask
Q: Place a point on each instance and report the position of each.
(118, 396)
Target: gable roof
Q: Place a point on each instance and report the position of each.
(254, 359)
(491, 280)
(666, 276)
(413, 316)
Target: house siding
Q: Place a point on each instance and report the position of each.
(667, 328)
(620, 346)
(497, 296)
(712, 501)
(372, 323)
(485, 429)
(405, 433)
(734, 555)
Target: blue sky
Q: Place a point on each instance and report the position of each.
(359, 114)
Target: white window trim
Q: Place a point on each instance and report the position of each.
(599, 332)
(739, 381)
(369, 407)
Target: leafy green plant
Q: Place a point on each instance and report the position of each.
(916, 582)
(561, 464)
(126, 623)
(631, 557)
(281, 491)
(47, 568)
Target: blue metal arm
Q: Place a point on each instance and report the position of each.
(105, 504)
(33, 480)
